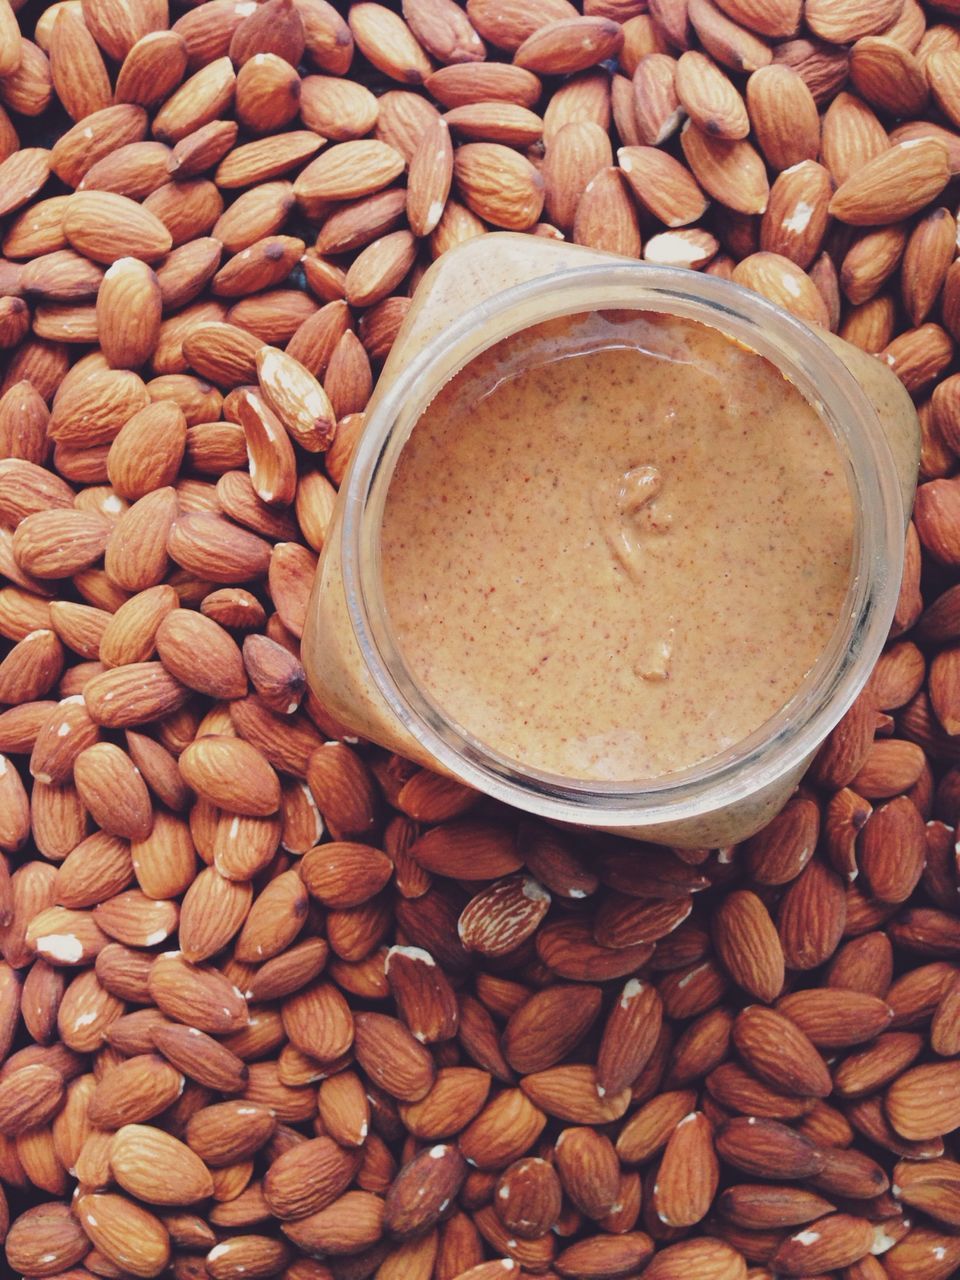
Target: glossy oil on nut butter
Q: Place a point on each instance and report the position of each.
(615, 544)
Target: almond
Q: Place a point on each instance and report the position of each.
(747, 943)
(232, 774)
(503, 916)
(888, 76)
(386, 41)
(780, 1053)
(811, 917)
(732, 45)
(503, 1131)
(112, 789)
(709, 97)
(706, 1256)
(767, 1149)
(663, 185)
(405, 1070)
(893, 185)
(498, 184)
(841, 24)
(731, 172)
(456, 1097)
(689, 1173)
(783, 282)
(471, 850)
(606, 1255)
(759, 1208)
(134, 1090)
(795, 220)
(76, 67)
(308, 1178)
(200, 1057)
(507, 25)
(423, 1189)
(852, 136)
(349, 1225)
(217, 550)
(182, 636)
(349, 169)
(778, 19)
(107, 227)
(926, 260)
(569, 1092)
(606, 217)
(569, 45)
(152, 68)
(130, 1237)
(197, 996)
(834, 1018)
(29, 1097)
(528, 1197)
(156, 1167)
(542, 1031)
(922, 1103)
(46, 1236)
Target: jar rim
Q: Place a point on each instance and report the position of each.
(787, 739)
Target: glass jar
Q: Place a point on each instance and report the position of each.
(496, 286)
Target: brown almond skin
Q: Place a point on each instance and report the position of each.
(749, 946)
(308, 1177)
(767, 1149)
(780, 1053)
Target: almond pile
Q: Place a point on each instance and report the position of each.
(274, 1002)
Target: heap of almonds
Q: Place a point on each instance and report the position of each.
(274, 1002)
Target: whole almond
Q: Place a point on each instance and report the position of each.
(731, 172)
(784, 116)
(498, 184)
(663, 185)
(893, 185)
(156, 1167)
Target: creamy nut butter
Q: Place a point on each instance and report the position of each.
(615, 544)
(624, 568)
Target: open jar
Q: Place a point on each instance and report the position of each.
(481, 295)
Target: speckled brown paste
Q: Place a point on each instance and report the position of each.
(615, 544)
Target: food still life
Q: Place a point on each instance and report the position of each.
(479, 639)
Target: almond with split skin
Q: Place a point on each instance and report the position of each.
(796, 218)
(783, 282)
(424, 998)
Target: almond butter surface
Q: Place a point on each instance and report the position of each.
(594, 516)
(276, 1002)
